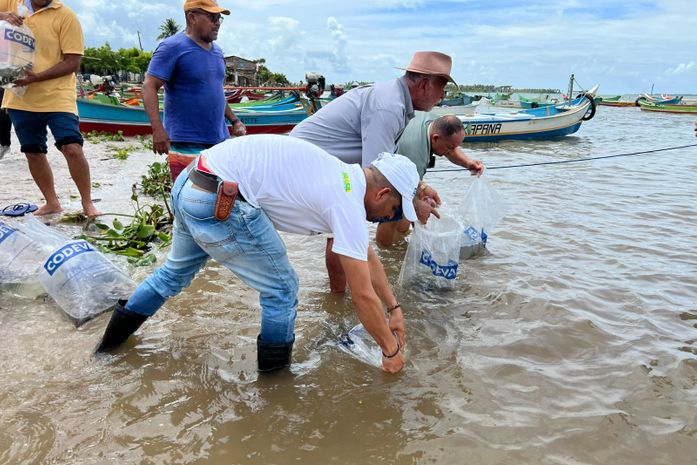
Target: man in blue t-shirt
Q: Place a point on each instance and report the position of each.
(192, 69)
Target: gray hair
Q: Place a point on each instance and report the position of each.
(415, 77)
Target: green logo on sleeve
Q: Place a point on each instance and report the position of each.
(347, 181)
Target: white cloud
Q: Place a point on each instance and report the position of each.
(339, 58)
(529, 43)
(283, 34)
(681, 68)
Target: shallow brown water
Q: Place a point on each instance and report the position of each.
(573, 342)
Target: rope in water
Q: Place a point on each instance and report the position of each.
(577, 160)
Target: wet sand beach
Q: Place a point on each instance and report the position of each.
(574, 341)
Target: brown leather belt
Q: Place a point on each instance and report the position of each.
(206, 181)
(209, 182)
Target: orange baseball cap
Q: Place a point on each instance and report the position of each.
(206, 5)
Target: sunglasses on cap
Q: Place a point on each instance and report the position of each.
(212, 17)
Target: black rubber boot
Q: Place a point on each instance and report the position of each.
(123, 323)
(271, 357)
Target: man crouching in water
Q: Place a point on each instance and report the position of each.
(228, 205)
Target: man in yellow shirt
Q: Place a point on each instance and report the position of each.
(50, 96)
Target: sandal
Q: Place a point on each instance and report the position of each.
(19, 209)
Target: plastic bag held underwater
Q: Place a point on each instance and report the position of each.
(481, 210)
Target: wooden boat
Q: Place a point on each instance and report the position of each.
(663, 100)
(607, 99)
(614, 102)
(536, 123)
(132, 120)
(457, 101)
(234, 94)
(680, 108)
(534, 103)
(275, 102)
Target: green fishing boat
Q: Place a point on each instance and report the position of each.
(668, 108)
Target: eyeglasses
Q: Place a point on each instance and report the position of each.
(213, 18)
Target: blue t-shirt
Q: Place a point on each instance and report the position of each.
(194, 94)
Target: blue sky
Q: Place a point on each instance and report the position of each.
(625, 46)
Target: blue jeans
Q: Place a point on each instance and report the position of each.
(246, 243)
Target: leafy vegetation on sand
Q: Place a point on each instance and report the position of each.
(149, 224)
(96, 137)
(158, 181)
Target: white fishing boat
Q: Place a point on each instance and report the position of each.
(535, 123)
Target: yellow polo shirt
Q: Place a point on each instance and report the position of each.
(57, 32)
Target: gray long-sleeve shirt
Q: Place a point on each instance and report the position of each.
(362, 123)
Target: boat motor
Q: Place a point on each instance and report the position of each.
(314, 90)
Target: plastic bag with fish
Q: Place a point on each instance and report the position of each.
(359, 344)
(433, 253)
(17, 48)
(20, 262)
(82, 281)
(481, 210)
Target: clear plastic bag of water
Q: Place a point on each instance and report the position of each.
(82, 281)
(433, 253)
(20, 256)
(481, 210)
(20, 262)
(17, 48)
(359, 344)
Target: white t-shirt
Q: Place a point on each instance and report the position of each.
(302, 188)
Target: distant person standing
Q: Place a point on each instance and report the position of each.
(369, 120)
(191, 67)
(5, 128)
(50, 98)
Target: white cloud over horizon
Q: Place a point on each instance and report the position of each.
(681, 68)
(626, 47)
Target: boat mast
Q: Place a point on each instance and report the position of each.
(570, 95)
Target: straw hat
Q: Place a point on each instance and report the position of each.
(206, 5)
(433, 63)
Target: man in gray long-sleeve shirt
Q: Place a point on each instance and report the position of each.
(369, 120)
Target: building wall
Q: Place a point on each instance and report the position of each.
(240, 72)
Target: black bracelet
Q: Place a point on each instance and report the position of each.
(234, 122)
(394, 307)
(395, 352)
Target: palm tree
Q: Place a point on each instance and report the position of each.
(168, 28)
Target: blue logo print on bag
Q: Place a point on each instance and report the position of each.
(5, 232)
(472, 234)
(448, 271)
(64, 254)
(16, 36)
(475, 236)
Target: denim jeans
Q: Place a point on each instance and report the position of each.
(246, 243)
